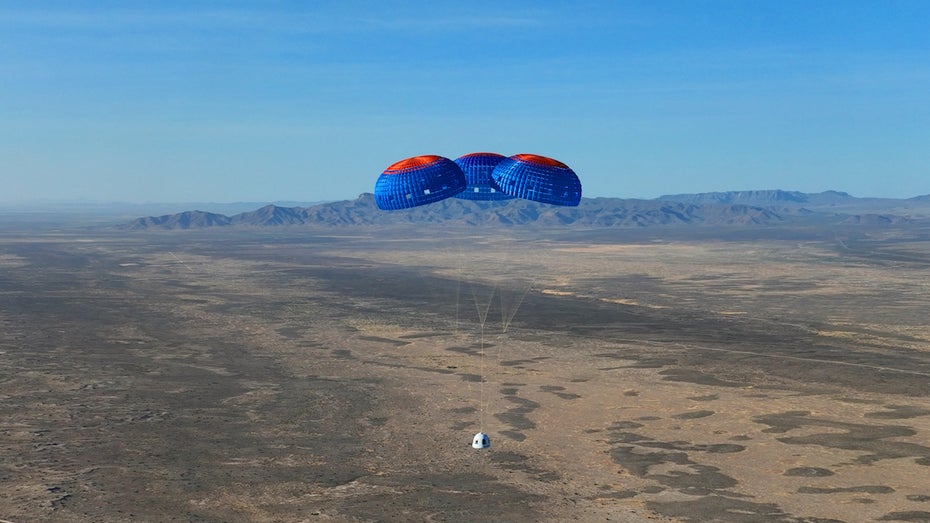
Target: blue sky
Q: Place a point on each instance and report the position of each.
(172, 101)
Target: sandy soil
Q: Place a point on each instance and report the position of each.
(299, 376)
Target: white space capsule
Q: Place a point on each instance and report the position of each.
(481, 441)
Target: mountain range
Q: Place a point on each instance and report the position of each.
(733, 208)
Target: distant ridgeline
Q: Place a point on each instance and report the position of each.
(734, 208)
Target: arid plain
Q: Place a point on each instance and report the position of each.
(308, 375)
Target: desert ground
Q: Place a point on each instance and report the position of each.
(339, 375)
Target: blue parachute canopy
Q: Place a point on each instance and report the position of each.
(477, 168)
(538, 178)
(418, 181)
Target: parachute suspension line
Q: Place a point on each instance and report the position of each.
(482, 307)
(508, 313)
(175, 256)
(510, 303)
(458, 300)
(481, 381)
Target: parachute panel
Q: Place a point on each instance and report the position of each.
(538, 178)
(418, 180)
(477, 168)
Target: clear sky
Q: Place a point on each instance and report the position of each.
(147, 101)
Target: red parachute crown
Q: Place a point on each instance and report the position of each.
(541, 160)
(412, 163)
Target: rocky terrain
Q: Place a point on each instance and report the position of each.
(243, 374)
(737, 208)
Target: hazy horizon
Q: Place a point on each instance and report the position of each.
(181, 102)
(296, 203)
(56, 205)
